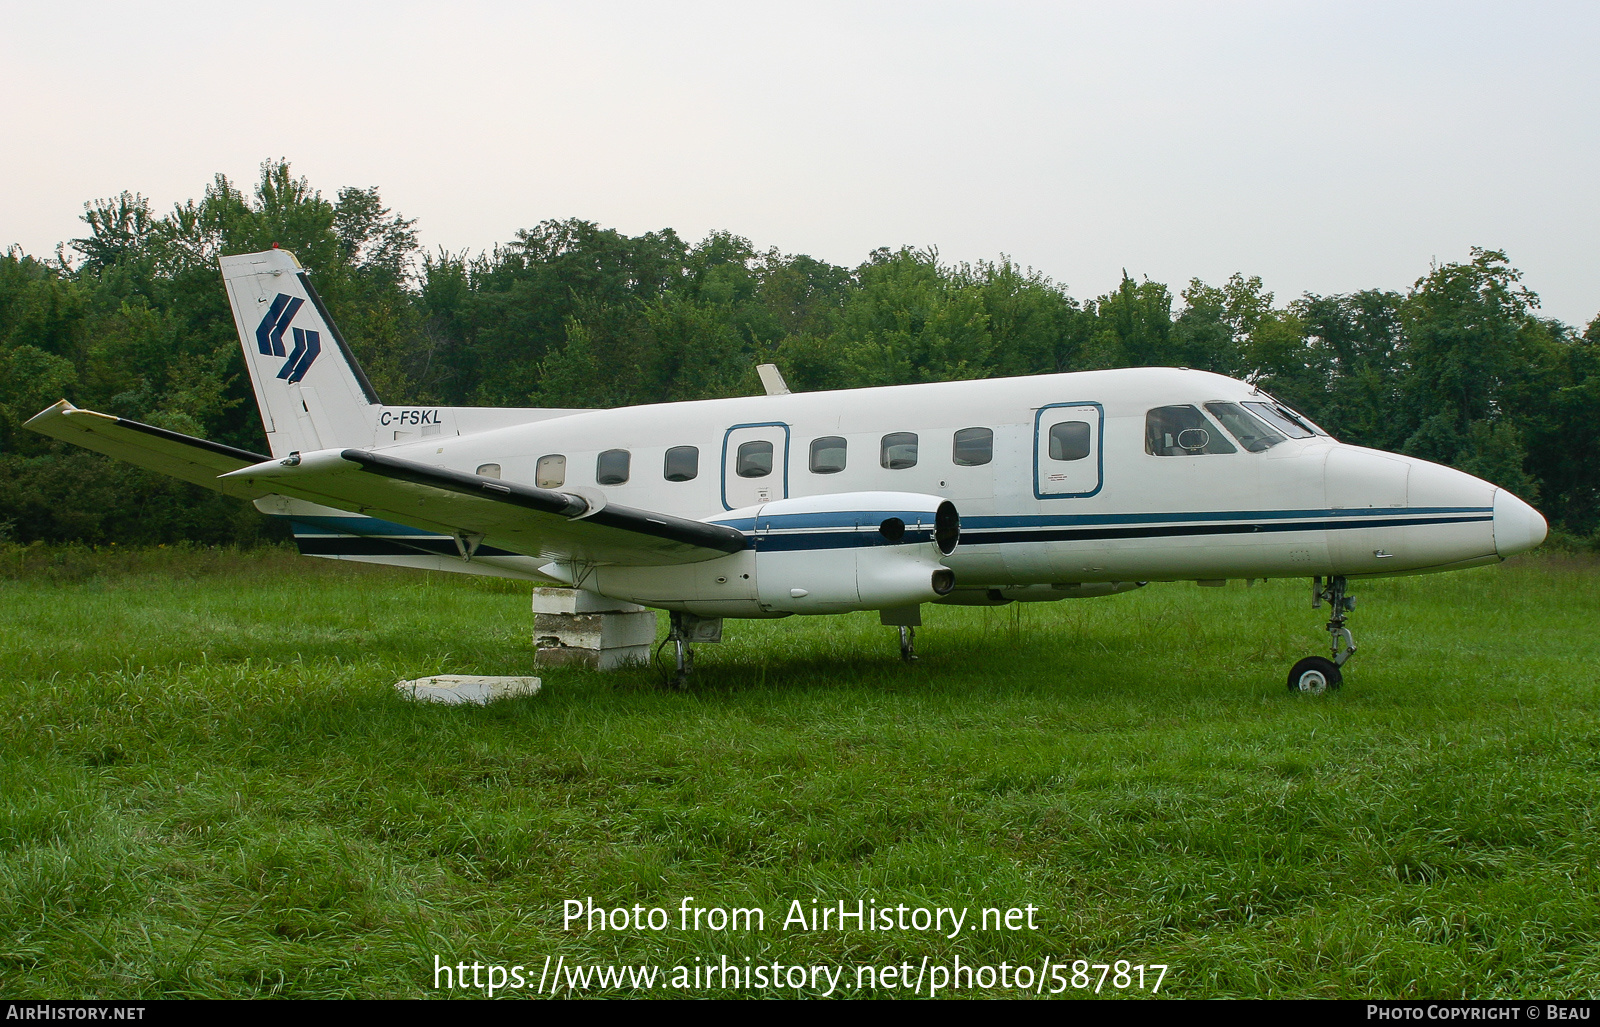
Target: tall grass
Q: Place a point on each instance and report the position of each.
(209, 787)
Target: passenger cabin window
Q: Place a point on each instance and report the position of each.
(1069, 440)
(973, 447)
(1182, 431)
(754, 460)
(550, 472)
(899, 450)
(827, 455)
(611, 468)
(682, 463)
(488, 470)
(1253, 434)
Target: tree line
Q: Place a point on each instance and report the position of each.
(132, 319)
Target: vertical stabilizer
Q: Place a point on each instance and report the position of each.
(311, 391)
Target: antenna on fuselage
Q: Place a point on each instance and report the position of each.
(772, 380)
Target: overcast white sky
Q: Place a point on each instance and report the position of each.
(1326, 147)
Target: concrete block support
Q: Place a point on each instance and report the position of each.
(572, 627)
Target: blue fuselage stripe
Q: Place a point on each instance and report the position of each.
(1222, 515)
(1049, 534)
(859, 528)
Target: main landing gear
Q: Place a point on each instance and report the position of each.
(686, 628)
(1317, 674)
(680, 677)
(908, 619)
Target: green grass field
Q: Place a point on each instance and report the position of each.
(209, 787)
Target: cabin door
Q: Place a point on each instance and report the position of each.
(755, 464)
(1066, 450)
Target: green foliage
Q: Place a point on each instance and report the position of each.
(1134, 326)
(911, 321)
(1493, 451)
(1349, 371)
(131, 319)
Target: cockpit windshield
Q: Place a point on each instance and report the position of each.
(1291, 423)
(1253, 434)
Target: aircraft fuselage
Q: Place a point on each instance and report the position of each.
(1110, 503)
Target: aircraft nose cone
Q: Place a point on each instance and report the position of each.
(1518, 527)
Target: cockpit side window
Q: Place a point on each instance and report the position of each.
(1253, 434)
(1182, 431)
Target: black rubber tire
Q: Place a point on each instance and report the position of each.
(1315, 675)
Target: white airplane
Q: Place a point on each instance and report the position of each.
(977, 492)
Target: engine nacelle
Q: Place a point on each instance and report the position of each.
(853, 551)
(823, 554)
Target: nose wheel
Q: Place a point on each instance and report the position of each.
(908, 643)
(1315, 674)
(1318, 674)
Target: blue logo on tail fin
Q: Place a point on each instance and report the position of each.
(307, 345)
(269, 338)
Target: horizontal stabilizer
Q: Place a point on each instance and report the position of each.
(555, 526)
(156, 449)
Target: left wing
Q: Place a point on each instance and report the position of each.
(557, 526)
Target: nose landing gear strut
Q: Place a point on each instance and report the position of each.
(1318, 674)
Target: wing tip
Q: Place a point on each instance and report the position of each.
(60, 408)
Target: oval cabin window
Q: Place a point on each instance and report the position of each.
(973, 447)
(551, 471)
(899, 450)
(682, 464)
(1069, 440)
(611, 467)
(754, 460)
(827, 455)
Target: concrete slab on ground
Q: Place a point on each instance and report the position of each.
(466, 688)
